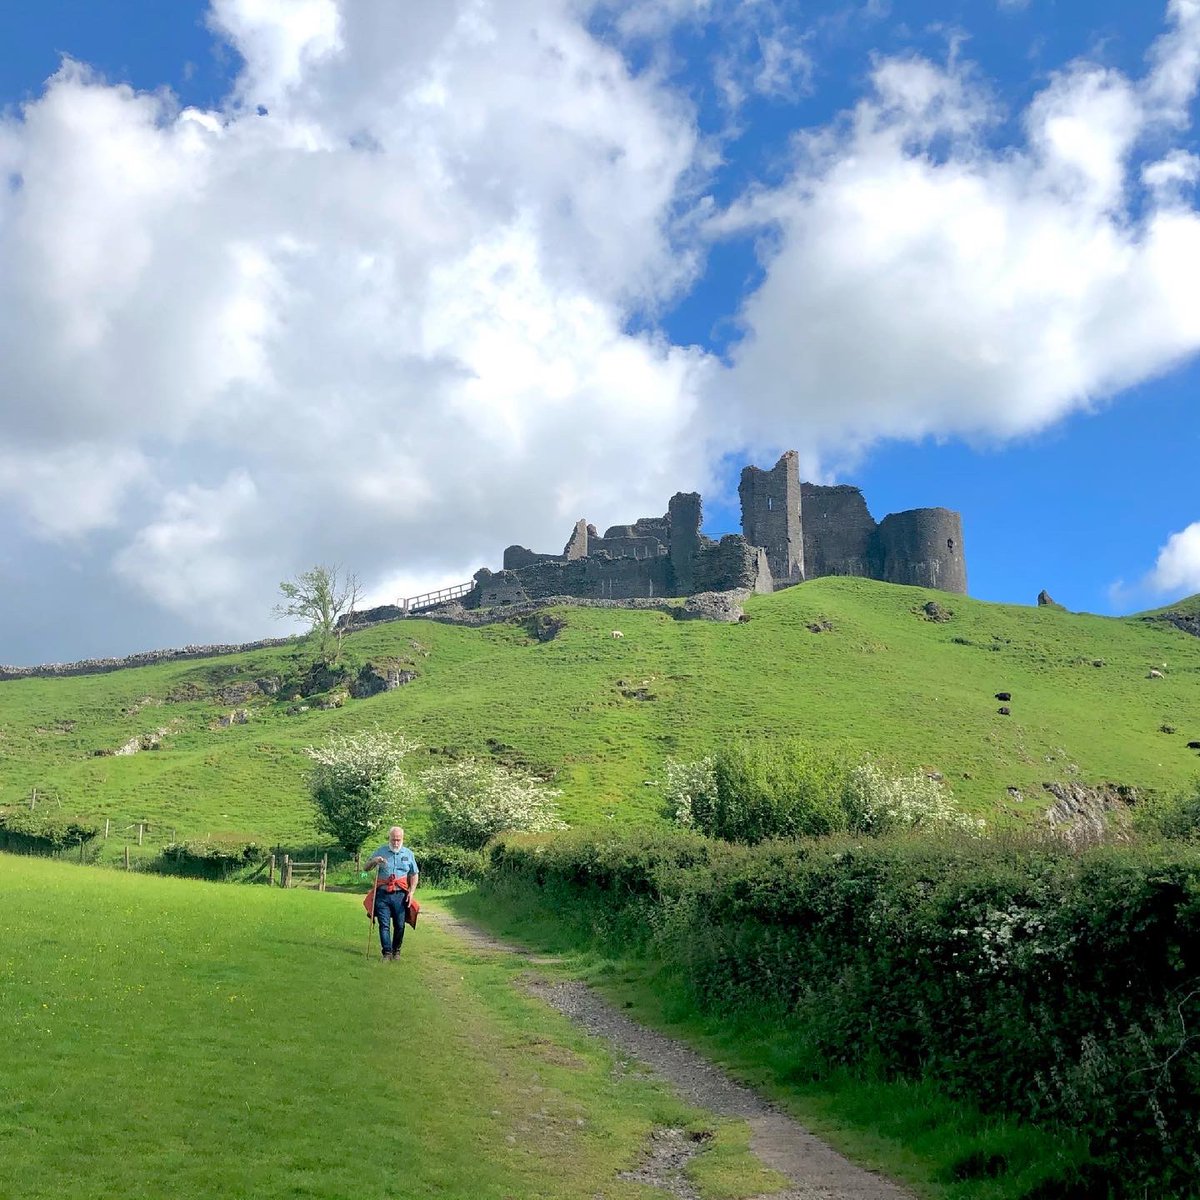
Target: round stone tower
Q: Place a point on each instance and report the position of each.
(923, 547)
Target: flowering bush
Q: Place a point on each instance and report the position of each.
(357, 786)
(748, 792)
(472, 799)
(691, 791)
(877, 803)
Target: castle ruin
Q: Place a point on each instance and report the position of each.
(791, 531)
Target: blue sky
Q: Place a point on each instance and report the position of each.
(365, 282)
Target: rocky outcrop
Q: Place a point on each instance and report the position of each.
(1187, 622)
(1084, 815)
(380, 675)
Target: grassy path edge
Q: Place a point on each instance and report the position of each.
(777, 1140)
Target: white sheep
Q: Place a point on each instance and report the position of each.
(1155, 673)
(617, 633)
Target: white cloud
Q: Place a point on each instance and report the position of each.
(69, 492)
(919, 282)
(1177, 570)
(388, 316)
(376, 309)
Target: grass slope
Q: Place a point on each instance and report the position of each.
(165, 1037)
(881, 678)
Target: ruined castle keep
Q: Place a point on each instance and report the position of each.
(791, 531)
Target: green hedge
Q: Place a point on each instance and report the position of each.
(212, 857)
(46, 832)
(1066, 988)
(445, 866)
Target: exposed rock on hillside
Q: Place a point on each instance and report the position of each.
(381, 675)
(1188, 622)
(1085, 815)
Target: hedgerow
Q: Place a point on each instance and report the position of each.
(1066, 988)
(443, 865)
(751, 791)
(43, 832)
(212, 857)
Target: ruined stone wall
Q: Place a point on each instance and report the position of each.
(596, 578)
(494, 588)
(838, 531)
(516, 557)
(732, 563)
(577, 543)
(626, 547)
(685, 514)
(659, 527)
(923, 547)
(771, 516)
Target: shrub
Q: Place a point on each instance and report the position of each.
(1174, 817)
(445, 865)
(212, 856)
(44, 832)
(877, 803)
(691, 792)
(775, 790)
(756, 791)
(472, 800)
(356, 786)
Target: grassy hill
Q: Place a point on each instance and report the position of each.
(846, 661)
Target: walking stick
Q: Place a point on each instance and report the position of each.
(369, 905)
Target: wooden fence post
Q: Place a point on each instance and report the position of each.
(324, 868)
(286, 881)
(106, 829)
(127, 858)
(271, 872)
(81, 847)
(141, 827)
(32, 799)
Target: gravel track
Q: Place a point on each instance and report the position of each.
(815, 1170)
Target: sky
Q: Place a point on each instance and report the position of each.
(391, 286)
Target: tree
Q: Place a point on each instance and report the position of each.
(357, 786)
(473, 799)
(321, 596)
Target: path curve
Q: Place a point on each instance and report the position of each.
(816, 1171)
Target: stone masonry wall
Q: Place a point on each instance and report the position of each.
(732, 563)
(597, 578)
(838, 531)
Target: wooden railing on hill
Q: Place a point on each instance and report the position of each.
(416, 604)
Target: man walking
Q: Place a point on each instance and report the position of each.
(395, 882)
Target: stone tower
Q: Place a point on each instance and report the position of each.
(924, 547)
(685, 514)
(771, 516)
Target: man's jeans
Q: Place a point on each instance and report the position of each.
(389, 912)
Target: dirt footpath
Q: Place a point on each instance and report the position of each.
(816, 1171)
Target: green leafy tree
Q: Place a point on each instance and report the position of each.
(472, 799)
(321, 596)
(357, 785)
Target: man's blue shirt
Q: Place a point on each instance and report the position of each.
(395, 862)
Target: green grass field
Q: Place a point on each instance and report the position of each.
(881, 678)
(164, 1037)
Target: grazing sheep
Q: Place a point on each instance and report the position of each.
(1155, 673)
(617, 633)
(1003, 695)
